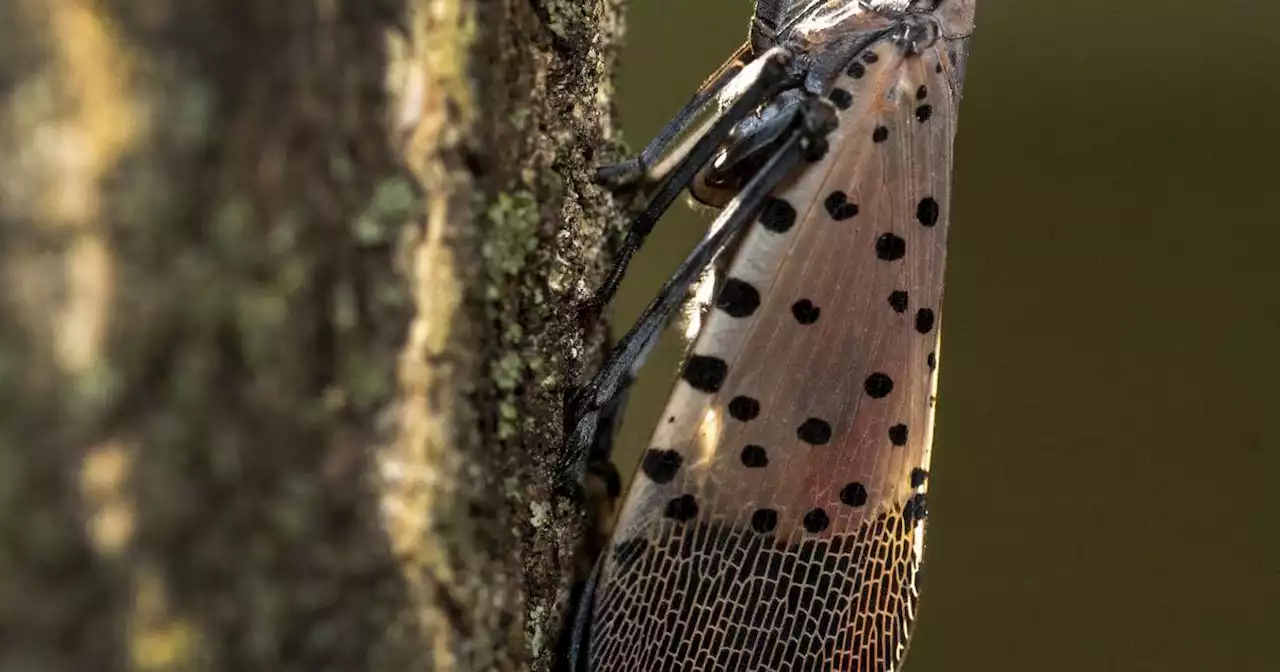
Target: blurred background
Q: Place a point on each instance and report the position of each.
(1100, 494)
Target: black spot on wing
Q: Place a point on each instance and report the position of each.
(880, 134)
(924, 113)
(744, 408)
(764, 520)
(805, 312)
(918, 477)
(815, 149)
(814, 431)
(898, 301)
(816, 520)
(878, 385)
(838, 206)
(841, 98)
(853, 494)
(898, 435)
(927, 211)
(738, 298)
(916, 508)
(661, 465)
(777, 215)
(704, 373)
(924, 320)
(890, 247)
(682, 509)
(754, 457)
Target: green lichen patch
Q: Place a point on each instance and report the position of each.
(513, 221)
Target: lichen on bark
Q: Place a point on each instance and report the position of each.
(286, 321)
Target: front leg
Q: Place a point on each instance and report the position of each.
(638, 168)
(751, 86)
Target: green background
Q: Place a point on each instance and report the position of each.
(1102, 493)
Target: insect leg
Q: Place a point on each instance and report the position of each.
(585, 409)
(575, 658)
(631, 170)
(598, 463)
(764, 78)
(751, 143)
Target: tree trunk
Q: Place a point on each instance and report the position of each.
(286, 321)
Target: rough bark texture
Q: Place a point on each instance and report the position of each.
(286, 320)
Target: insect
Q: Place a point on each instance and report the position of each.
(777, 520)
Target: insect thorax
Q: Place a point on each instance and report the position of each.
(820, 47)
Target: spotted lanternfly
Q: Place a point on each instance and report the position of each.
(777, 520)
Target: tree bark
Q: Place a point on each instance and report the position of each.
(287, 300)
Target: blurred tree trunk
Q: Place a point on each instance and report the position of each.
(286, 298)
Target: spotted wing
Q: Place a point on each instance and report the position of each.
(778, 519)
